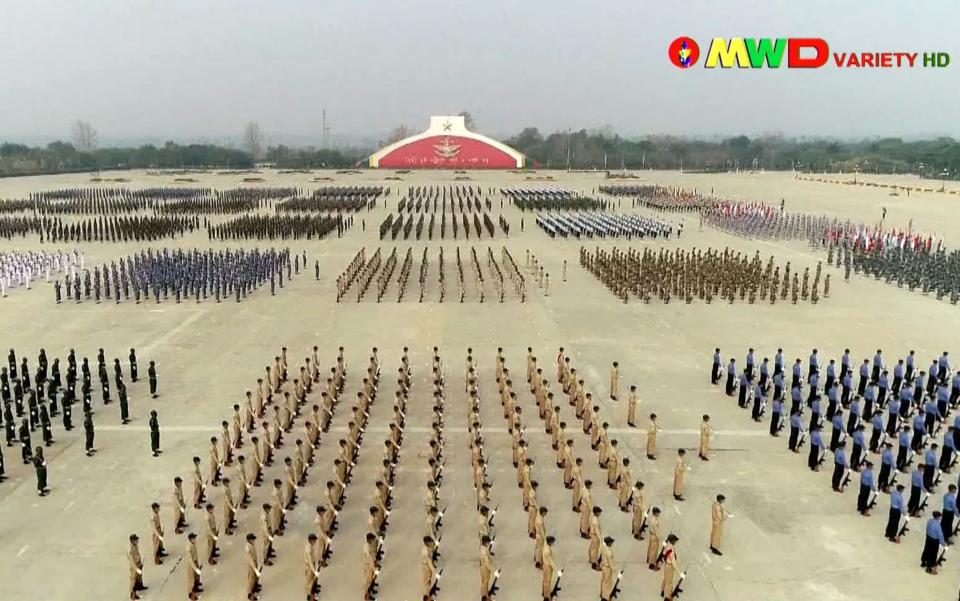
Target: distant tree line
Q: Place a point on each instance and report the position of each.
(61, 157)
(939, 157)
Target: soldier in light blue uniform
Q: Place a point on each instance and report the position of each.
(839, 467)
(831, 375)
(886, 466)
(893, 417)
(847, 383)
(864, 376)
(918, 383)
(776, 416)
(778, 385)
(845, 363)
(796, 427)
(813, 363)
(797, 377)
(876, 431)
(916, 490)
(717, 366)
(764, 372)
(877, 366)
(859, 445)
(778, 362)
(758, 402)
(930, 467)
(869, 401)
(854, 419)
(815, 415)
(949, 513)
(929, 559)
(919, 428)
(816, 449)
(932, 376)
(731, 376)
(883, 385)
(948, 451)
(814, 382)
(930, 415)
(898, 371)
(910, 366)
(944, 364)
(835, 434)
(906, 402)
(896, 511)
(903, 448)
(748, 369)
(867, 486)
(955, 390)
(744, 385)
(833, 400)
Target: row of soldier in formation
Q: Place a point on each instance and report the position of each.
(912, 407)
(287, 396)
(34, 397)
(394, 225)
(20, 268)
(335, 199)
(698, 273)
(113, 228)
(661, 198)
(283, 227)
(553, 199)
(504, 275)
(182, 275)
(603, 225)
(935, 271)
(111, 201)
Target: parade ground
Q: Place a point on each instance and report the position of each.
(791, 538)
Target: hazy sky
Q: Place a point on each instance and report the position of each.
(185, 69)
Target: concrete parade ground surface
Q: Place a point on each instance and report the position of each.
(792, 537)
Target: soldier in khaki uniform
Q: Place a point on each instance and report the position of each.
(607, 570)
(717, 517)
(198, 486)
(179, 506)
(428, 570)
(593, 550)
(253, 566)
(632, 403)
(639, 505)
(706, 433)
(653, 547)
(486, 569)
(670, 568)
(213, 536)
(369, 566)
(229, 508)
(615, 380)
(679, 471)
(193, 567)
(311, 570)
(548, 570)
(156, 531)
(652, 429)
(136, 567)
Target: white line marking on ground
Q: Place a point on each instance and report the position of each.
(677, 509)
(22, 550)
(707, 557)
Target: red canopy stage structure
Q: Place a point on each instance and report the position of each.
(447, 144)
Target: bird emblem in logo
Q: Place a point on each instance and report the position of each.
(446, 150)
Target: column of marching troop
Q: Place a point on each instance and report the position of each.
(288, 400)
(913, 409)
